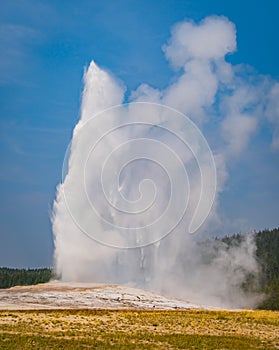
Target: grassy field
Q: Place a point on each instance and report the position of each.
(104, 329)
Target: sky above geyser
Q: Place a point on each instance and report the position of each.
(44, 49)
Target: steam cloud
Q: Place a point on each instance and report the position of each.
(207, 87)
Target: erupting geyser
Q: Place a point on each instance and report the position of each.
(140, 179)
(125, 187)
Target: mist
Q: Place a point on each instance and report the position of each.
(141, 185)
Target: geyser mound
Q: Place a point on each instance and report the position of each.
(73, 295)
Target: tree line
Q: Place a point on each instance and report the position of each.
(267, 255)
(23, 277)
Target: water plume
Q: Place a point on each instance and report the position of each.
(140, 179)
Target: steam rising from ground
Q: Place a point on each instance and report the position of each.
(210, 91)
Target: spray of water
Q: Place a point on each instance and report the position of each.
(139, 179)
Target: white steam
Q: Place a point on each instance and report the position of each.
(212, 92)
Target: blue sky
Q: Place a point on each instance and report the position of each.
(45, 46)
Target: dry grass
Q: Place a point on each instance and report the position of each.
(103, 329)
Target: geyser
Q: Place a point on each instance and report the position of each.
(139, 180)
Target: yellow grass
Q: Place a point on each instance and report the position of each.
(122, 329)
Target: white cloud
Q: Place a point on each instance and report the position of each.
(211, 39)
(146, 93)
(237, 130)
(199, 49)
(194, 91)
